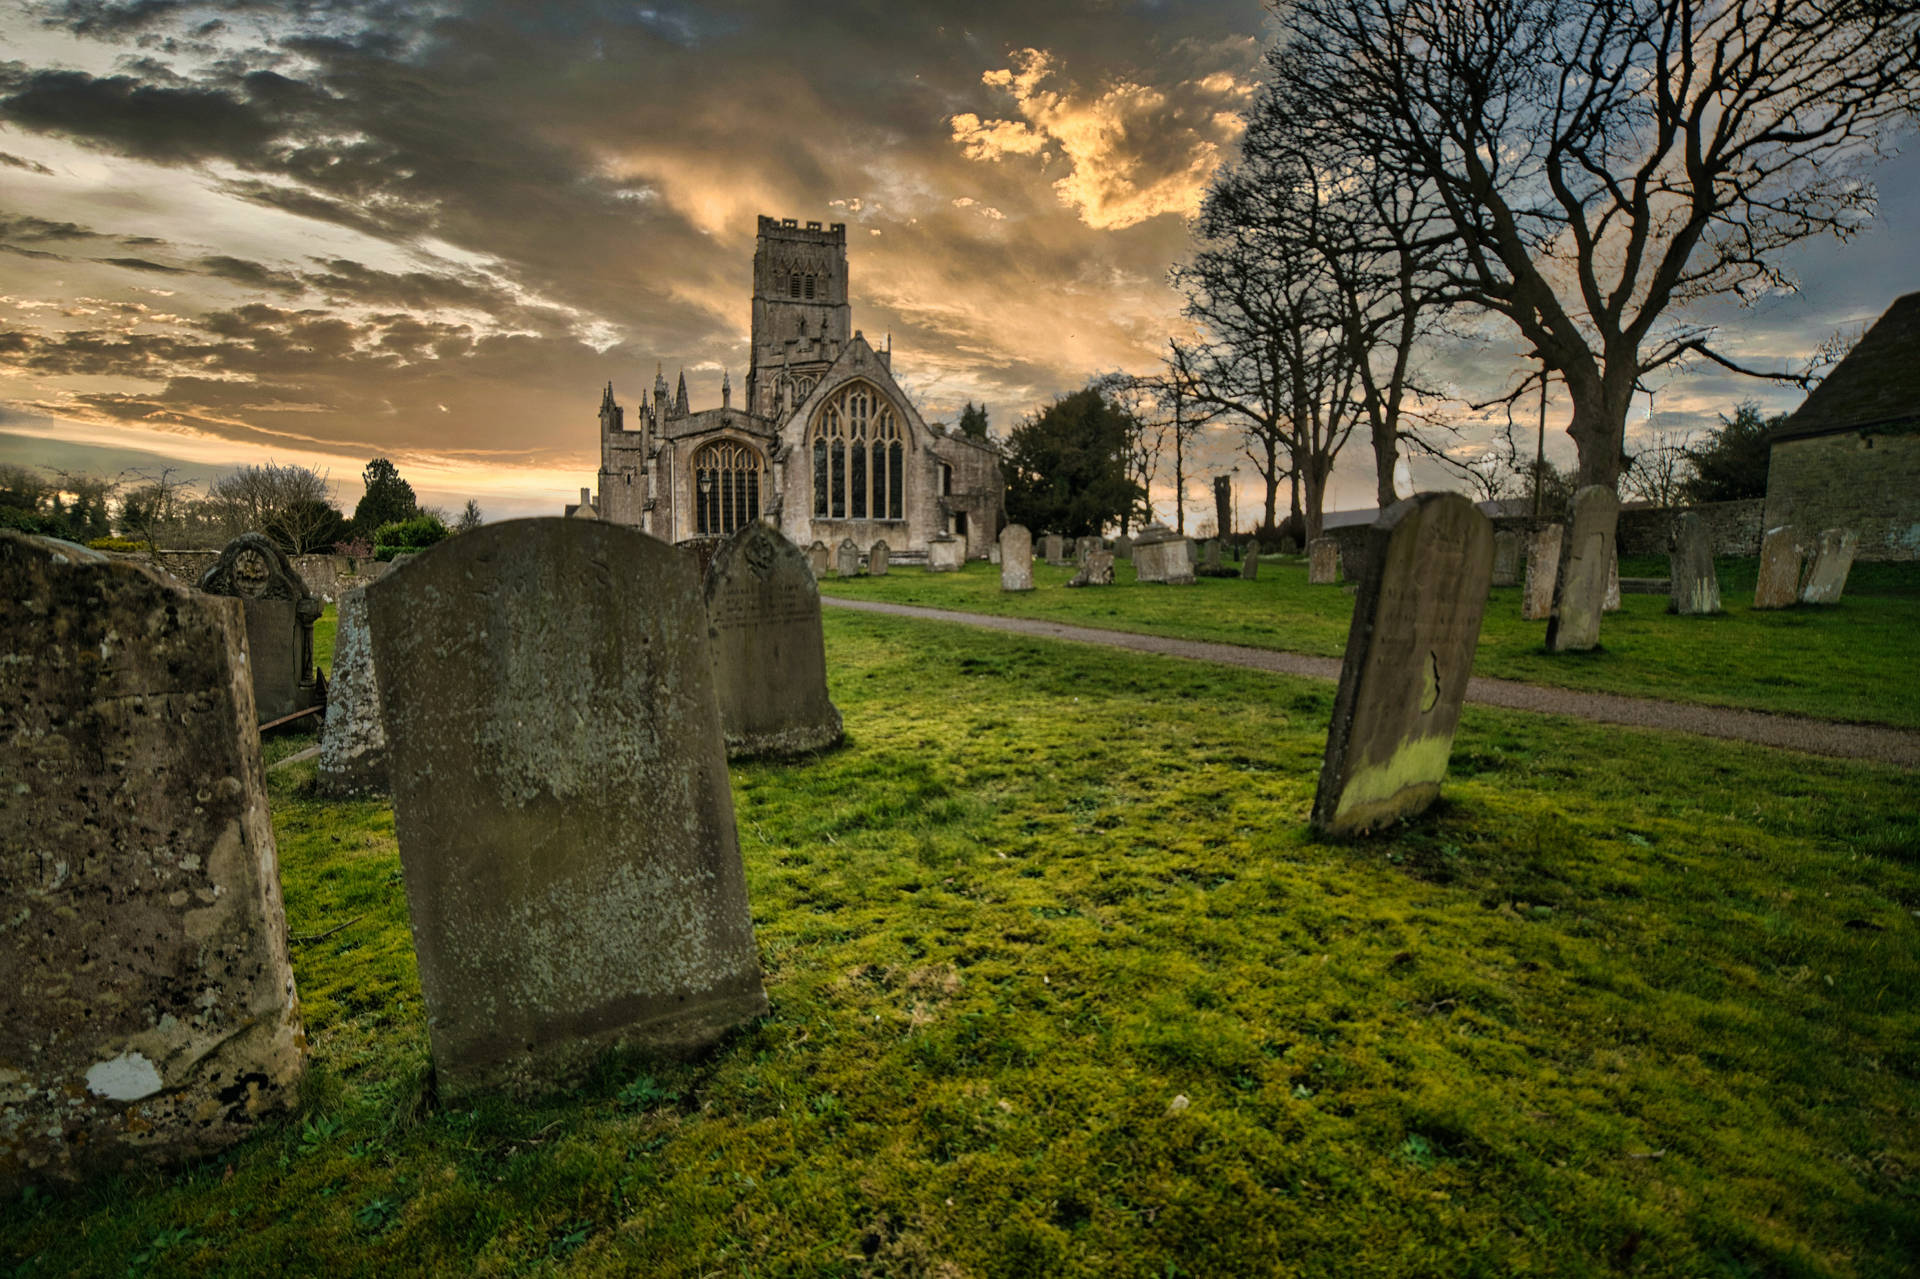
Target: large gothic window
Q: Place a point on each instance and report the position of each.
(726, 481)
(859, 457)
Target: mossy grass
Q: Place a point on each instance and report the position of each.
(1062, 985)
(1851, 662)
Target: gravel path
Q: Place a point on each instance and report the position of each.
(1900, 747)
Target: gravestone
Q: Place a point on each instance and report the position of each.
(1781, 555)
(1580, 596)
(1323, 562)
(946, 553)
(1161, 555)
(1212, 556)
(699, 550)
(1543, 569)
(1096, 571)
(877, 556)
(1053, 548)
(1612, 602)
(353, 745)
(1250, 567)
(561, 800)
(1123, 547)
(1016, 558)
(1084, 547)
(1695, 587)
(1827, 570)
(280, 613)
(147, 1013)
(993, 553)
(846, 559)
(1193, 553)
(1506, 557)
(1289, 544)
(1416, 621)
(817, 558)
(769, 658)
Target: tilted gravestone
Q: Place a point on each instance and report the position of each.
(877, 556)
(1828, 567)
(1416, 621)
(1507, 547)
(280, 617)
(1053, 547)
(1016, 558)
(1123, 547)
(1096, 571)
(148, 1010)
(1781, 556)
(353, 745)
(846, 559)
(817, 558)
(561, 800)
(1694, 585)
(946, 553)
(1580, 595)
(1250, 567)
(769, 656)
(1161, 555)
(1543, 570)
(1323, 562)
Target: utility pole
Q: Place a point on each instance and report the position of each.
(1540, 444)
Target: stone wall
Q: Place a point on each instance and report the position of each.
(325, 575)
(1733, 528)
(1869, 483)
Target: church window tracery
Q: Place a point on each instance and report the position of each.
(859, 457)
(727, 479)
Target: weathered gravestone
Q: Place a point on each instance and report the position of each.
(817, 558)
(1161, 555)
(561, 800)
(1123, 547)
(1097, 570)
(1827, 570)
(1016, 558)
(1193, 554)
(1781, 555)
(1694, 585)
(877, 556)
(846, 559)
(1506, 557)
(1611, 604)
(946, 553)
(1053, 547)
(1323, 562)
(1212, 556)
(1580, 596)
(993, 553)
(147, 1011)
(353, 745)
(1543, 570)
(1250, 567)
(280, 616)
(769, 657)
(1416, 621)
(1083, 547)
(699, 550)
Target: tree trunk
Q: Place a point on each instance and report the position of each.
(1386, 453)
(1599, 427)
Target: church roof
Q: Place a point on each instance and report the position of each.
(1876, 385)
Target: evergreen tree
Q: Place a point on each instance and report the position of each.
(1733, 463)
(973, 421)
(388, 499)
(1067, 469)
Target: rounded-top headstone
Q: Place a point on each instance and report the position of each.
(769, 653)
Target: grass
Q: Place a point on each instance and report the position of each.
(1852, 662)
(1061, 985)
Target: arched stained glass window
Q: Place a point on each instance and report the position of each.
(726, 481)
(859, 457)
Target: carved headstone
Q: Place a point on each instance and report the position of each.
(817, 558)
(1781, 556)
(1543, 570)
(1053, 546)
(877, 556)
(1016, 558)
(280, 617)
(148, 1011)
(1416, 622)
(1097, 570)
(1695, 587)
(846, 559)
(1827, 570)
(1161, 555)
(1580, 596)
(769, 657)
(353, 745)
(1506, 557)
(560, 795)
(1250, 567)
(1323, 562)
(946, 553)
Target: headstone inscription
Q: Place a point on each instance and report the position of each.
(1543, 570)
(1323, 562)
(877, 556)
(1016, 558)
(1828, 567)
(1580, 596)
(148, 1011)
(817, 558)
(1781, 555)
(353, 745)
(1161, 555)
(280, 617)
(846, 559)
(1096, 571)
(1416, 622)
(946, 553)
(1250, 567)
(560, 795)
(1694, 585)
(769, 656)
(1506, 557)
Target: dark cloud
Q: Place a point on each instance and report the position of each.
(141, 264)
(144, 120)
(252, 274)
(21, 162)
(25, 227)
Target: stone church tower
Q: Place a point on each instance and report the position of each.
(825, 446)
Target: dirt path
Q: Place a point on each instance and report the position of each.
(1895, 746)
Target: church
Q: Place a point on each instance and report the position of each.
(825, 445)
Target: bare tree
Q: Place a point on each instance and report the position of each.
(291, 504)
(154, 502)
(1602, 162)
(1658, 473)
(470, 517)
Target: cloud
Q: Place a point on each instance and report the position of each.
(21, 162)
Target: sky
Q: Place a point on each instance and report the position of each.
(319, 233)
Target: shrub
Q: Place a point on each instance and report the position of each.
(415, 534)
(117, 544)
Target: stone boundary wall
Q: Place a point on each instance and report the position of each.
(325, 575)
(1733, 528)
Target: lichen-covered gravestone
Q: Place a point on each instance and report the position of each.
(148, 1008)
(946, 553)
(561, 800)
(1097, 570)
(1828, 567)
(1694, 587)
(1416, 621)
(1016, 558)
(1161, 555)
(280, 612)
(1250, 567)
(1580, 595)
(817, 557)
(1781, 555)
(1506, 557)
(1083, 547)
(769, 656)
(877, 556)
(1323, 562)
(1543, 570)
(353, 745)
